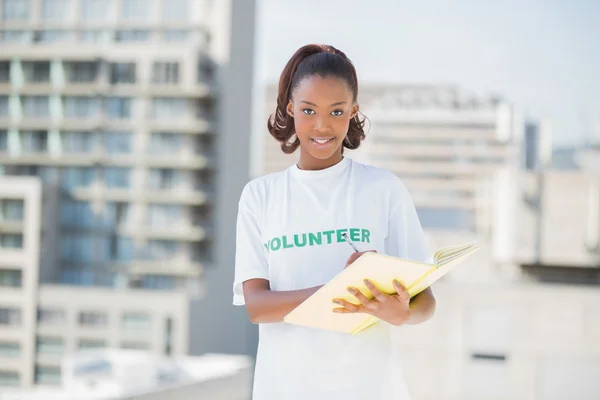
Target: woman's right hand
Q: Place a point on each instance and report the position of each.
(354, 256)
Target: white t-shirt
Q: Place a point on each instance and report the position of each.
(289, 231)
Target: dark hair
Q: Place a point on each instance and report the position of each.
(310, 60)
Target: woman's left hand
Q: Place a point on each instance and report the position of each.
(393, 309)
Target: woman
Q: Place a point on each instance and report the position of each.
(290, 242)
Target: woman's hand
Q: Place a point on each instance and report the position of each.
(394, 309)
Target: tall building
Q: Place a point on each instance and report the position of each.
(116, 107)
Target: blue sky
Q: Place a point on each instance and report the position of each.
(544, 56)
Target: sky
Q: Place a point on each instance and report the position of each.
(542, 56)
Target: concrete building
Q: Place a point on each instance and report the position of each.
(117, 107)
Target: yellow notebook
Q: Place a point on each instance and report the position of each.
(316, 311)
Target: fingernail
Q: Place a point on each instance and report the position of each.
(352, 290)
(367, 282)
(337, 302)
(396, 283)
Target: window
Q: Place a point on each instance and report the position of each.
(176, 35)
(77, 214)
(74, 177)
(162, 179)
(49, 316)
(135, 345)
(116, 177)
(49, 345)
(162, 282)
(94, 10)
(168, 108)
(80, 106)
(34, 141)
(15, 10)
(37, 71)
(10, 316)
(9, 378)
(53, 35)
(91, 318)
(122, 73)
(165, 73)
(15, 36)
(165, 143)
(78, 248)
(116, 214)
(11, 278)
(4, 71)
(205, 70)
(3, 140)
(160, 250)
(118, 107)
(136, 321)
(4, 106)
(54, 10)
(11, 210)
(119, 249)
(78, 142)
(117, 142)
(164, 215)
(81, 72)
(135, 10)
(36, 106)
(46, 375)
(176, 10)
(10, 349)
(11, 241)
(90, 344)
(133, 36)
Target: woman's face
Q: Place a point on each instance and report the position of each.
(322, 109)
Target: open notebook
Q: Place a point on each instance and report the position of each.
(316, 311)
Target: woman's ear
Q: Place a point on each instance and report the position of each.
(290, 109)
(355, 109)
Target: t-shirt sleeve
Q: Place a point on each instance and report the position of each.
(405, 235)
(250, 257)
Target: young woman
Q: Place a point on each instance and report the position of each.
(290, 242)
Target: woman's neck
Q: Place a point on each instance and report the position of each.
(310, 163)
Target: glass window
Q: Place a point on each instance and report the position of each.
(135, 10)
(36, 71)
(117, 142)
(92, 318)
(11, 278)
(81, 72)
(163, 215)
(94, 10)
(10, 349)
(75, 213)
(163, 282)
(165, 73)
(117, 177)
(12, 210)
(78, 248)
(135, 345)
(165, 143)
(9, 378)
(118, 107)
(74, 177)
(46, 375)
(10, 316)
(161, 250)
(15, 10)
(175, 10)
(55, 10)
(136, 321)
(53, 35)
(36, 106)
(34, 141)
(162, 179)
(15, 36)
(3, 140)
(4, 71)
(176, 35)
(77, 142)
(80, 106)
(168, 108)
(48, 316)
(122, 73)
(4, 106)
(119, 249)
(90, 344)
(116, 214)
(11, 241)
(133, 36)
(49, 345)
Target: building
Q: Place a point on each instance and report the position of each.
(116, 108)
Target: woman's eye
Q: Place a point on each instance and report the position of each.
(337, 113)
(308, 111)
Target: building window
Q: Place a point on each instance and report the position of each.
(10, 316)
(55, 10)
(165, 73)
(4, 71)
(79, 248)
(135, 10)
(53, 35)
(117, 142)
(119, 249)
(3, 140)
(15, 36)
(11, 278)
(165, 143)
(36, 71)
(81, 72)
(91, 344)
(160, 282)
(175, 10)
(77, 214)
(46, 375)
(94, 10)
(122, 73)
(9, 378)
(133, 35)
(36, 106)
(91, 318)
(80, 106)
(49, 345)
(48, 316)
(176, 35)
(78, 142)
(135, 321)
(12, 210)
(164, 215)
(160, 250)
(163, 179)
(11, 240)
(116, 214)
(168, 108)
(135, 345)
(74, 177)
(206, 70)
(34, 141)
(15, 10)
(4, 106)
(118, 107)
(117, 177)
(10, 349)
